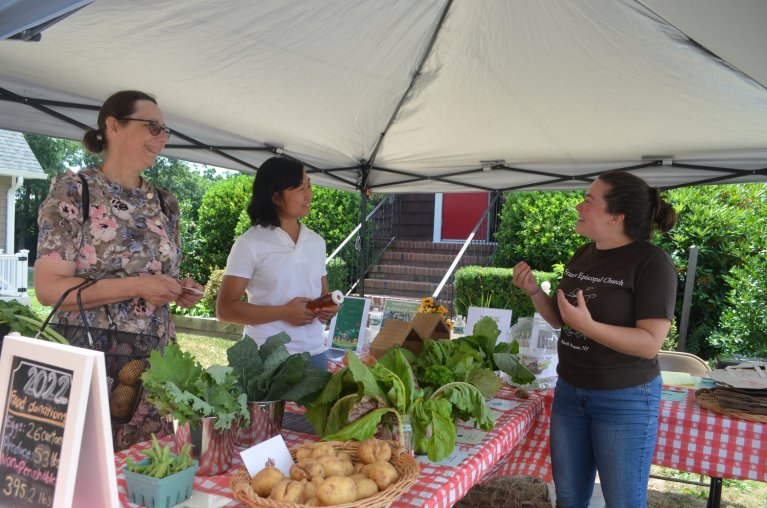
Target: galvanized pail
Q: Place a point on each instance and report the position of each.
(212, 448)
(265, 422)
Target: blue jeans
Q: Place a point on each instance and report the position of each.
(609, 431)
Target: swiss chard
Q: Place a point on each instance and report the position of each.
(357, 398)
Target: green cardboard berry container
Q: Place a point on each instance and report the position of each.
(160, 492)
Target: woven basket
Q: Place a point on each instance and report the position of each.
(406, 466)
(708, 398)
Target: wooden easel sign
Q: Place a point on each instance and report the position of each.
(50, 397)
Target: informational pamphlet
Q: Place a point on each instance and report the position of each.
(348, 327)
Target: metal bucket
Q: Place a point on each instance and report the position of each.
(265, 422)
(212, 448)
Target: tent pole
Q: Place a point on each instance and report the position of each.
(362, 243)
(689, 285)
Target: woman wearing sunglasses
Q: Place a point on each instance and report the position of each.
(109, 224)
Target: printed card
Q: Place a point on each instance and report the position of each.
(274, 450)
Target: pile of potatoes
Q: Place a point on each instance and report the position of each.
(324, 476)
(123, 397)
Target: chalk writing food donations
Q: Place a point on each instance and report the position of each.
(32, 433)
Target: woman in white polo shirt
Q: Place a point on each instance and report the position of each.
(279, 263)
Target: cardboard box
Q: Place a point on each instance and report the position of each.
(431, 326)
(409, 334)
(395, 332)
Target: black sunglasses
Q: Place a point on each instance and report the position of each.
(154, 127)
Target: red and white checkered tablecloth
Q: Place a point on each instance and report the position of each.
(436, 486)
(690, 438)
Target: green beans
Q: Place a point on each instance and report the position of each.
(162, 462)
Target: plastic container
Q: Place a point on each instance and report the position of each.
(537, 349)
(160, 492)
(459, 325)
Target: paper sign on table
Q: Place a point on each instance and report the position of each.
(502, 404)
(454, 460)
(673, 395)
(469, 436)
(274, 448)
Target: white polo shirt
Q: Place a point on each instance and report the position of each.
(278, 271)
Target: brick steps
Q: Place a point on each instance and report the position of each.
(413, 269)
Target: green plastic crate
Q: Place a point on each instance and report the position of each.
(160, 492)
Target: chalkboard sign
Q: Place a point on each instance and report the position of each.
(34, 418)
(52, 396)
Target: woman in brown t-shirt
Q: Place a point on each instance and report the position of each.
(614, 304)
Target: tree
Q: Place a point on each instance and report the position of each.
(181, 180)
(55, 156)
(214, 232)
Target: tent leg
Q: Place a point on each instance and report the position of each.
(362, 244)
(689, 285)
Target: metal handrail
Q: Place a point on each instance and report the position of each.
(466, 244)
(354, 232)
(364, 246)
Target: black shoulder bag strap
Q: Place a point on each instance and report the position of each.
(85, 199)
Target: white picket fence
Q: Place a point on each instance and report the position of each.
(13, 274)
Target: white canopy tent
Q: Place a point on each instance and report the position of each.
(418, 95)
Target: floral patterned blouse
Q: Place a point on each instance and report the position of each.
(127, 235)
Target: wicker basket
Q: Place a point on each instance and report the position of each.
(708, 398)
(406, 466)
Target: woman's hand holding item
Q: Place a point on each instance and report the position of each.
(191, 293)
(296, 312)
(159, 289)
(325, 314)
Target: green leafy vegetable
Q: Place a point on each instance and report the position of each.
(357, 399)
(272, 373)
(20, 318)
(178, 385)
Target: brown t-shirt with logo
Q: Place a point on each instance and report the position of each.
(620, 286)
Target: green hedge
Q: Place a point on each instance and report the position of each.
(477, 286)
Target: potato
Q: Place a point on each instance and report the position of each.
(265, 479)
(310, 489)
(305, 451)
(365, 488)
(313, 502)
(313, 469)
(323, 449)
(131, 372)
(121, 401)
(372, 450)
(348, 467)
(383, 473)
(337, 490)
(365, 469)
(288, 491)
(297, 472)
(344, 455)
(333, 467)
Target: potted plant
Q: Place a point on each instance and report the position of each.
(270, 376)
(204, 403)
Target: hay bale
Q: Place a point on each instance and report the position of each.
(508, 491)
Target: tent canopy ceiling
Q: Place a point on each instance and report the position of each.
(419, 95)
